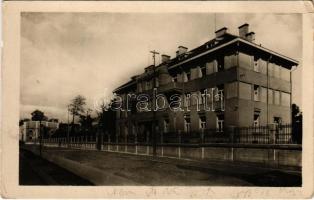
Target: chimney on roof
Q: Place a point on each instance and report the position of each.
(250, 36)
(221, 32)
(164, 58)
(243, 30)
(181, 50)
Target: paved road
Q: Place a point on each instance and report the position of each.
(126, 169)
(37, 171)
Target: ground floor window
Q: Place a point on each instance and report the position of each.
(277, 120)
(220, 123)
(133, 129)
(256, 120)
(166, 125)
(202, 122)
(187, 124)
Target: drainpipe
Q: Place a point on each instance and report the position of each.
(238, 82)
(267, 100)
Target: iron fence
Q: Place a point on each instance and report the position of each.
(273, 134)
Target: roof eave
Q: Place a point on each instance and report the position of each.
(238, 39)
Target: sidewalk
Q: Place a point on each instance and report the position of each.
(106, 168)
(38, 171)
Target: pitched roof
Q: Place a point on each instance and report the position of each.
(211, 46)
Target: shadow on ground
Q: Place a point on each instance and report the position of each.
(34, 170)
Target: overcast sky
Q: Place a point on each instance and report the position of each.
(66, 54)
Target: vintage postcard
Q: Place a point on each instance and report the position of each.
(157, 99)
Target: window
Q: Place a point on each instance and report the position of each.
(174, 79)
(277, 120)
(277, 71)
(215, 66)
(229, 61)
(256, 120)
(133, 129)
(203, 70)
(157, 82)
(285, 74)
(188, 99)
(262, 64)
(209, 97)
(166, 125)
(188, 76)
(202, 96)
(220, 61)
(271, 69)
(256, 93)
(187, 124)
(216, 95)
(232, 90)
(209, 67)
(126, 130)
(139, 87)
(263, 95)
(256, 66)
(245, 91)
(219, 93)
(270, 96)
(276, 97)
(219, 98)
(285, 99)
(147, 85)
(245, 61)
(220, 123)
(202, 122)
(185, 76)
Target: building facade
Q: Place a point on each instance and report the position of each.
(249, 85)
(29, 130)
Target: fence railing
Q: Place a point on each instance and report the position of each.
(274, 134)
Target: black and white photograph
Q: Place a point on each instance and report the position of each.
(161, 99)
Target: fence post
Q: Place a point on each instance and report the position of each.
(85, 141)
(162, 143)
(272, 129)
(126, 143)
(102, 141)
(147, 143)
(117, 141)
(109, 138)
(135, 142)
(179, 150)
(202, 143)
(231, 132)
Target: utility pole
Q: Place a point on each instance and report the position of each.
(68, 130)
(40, 138)
(154, 53)
(86, 123)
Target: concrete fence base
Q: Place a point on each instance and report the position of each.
(274, 157)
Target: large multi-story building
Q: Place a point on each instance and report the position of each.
(250, 84)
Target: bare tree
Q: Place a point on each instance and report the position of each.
(76, 107)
